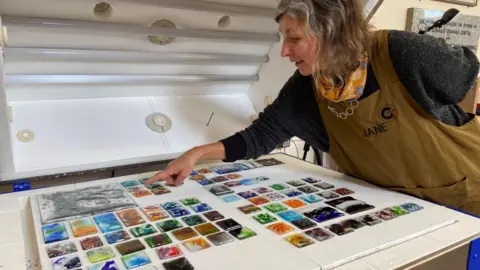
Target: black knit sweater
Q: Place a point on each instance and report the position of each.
(436, 75)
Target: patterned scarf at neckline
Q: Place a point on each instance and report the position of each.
(353, 88)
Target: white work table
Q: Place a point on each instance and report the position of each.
(393, 244)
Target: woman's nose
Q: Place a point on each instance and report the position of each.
(286, 51)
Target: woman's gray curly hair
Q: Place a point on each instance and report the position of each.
(342, 33)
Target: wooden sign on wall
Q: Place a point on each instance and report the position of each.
(463, 30)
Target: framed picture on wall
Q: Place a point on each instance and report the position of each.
(463, 30)
(370, 7)
(470, 3)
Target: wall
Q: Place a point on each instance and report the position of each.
(272, 78)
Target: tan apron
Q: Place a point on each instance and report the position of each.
(391, 142)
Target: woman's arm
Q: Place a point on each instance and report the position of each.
(211, 151)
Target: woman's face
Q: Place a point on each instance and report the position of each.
(297, 45)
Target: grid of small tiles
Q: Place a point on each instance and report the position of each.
(128, 233)
(297, 209)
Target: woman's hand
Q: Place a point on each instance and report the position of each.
(179, 169)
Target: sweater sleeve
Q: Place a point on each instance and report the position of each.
(435, 73)
(266, 132)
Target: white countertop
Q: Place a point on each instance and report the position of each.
(389, 245)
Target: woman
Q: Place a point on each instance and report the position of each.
(383, 104)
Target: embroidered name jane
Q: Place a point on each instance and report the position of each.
(375, 130)
(387, 113)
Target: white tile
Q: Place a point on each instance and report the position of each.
(404, 253)
(8, 204)
(464, 228)
(11, 228)
(356, 265)
(12, 257)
